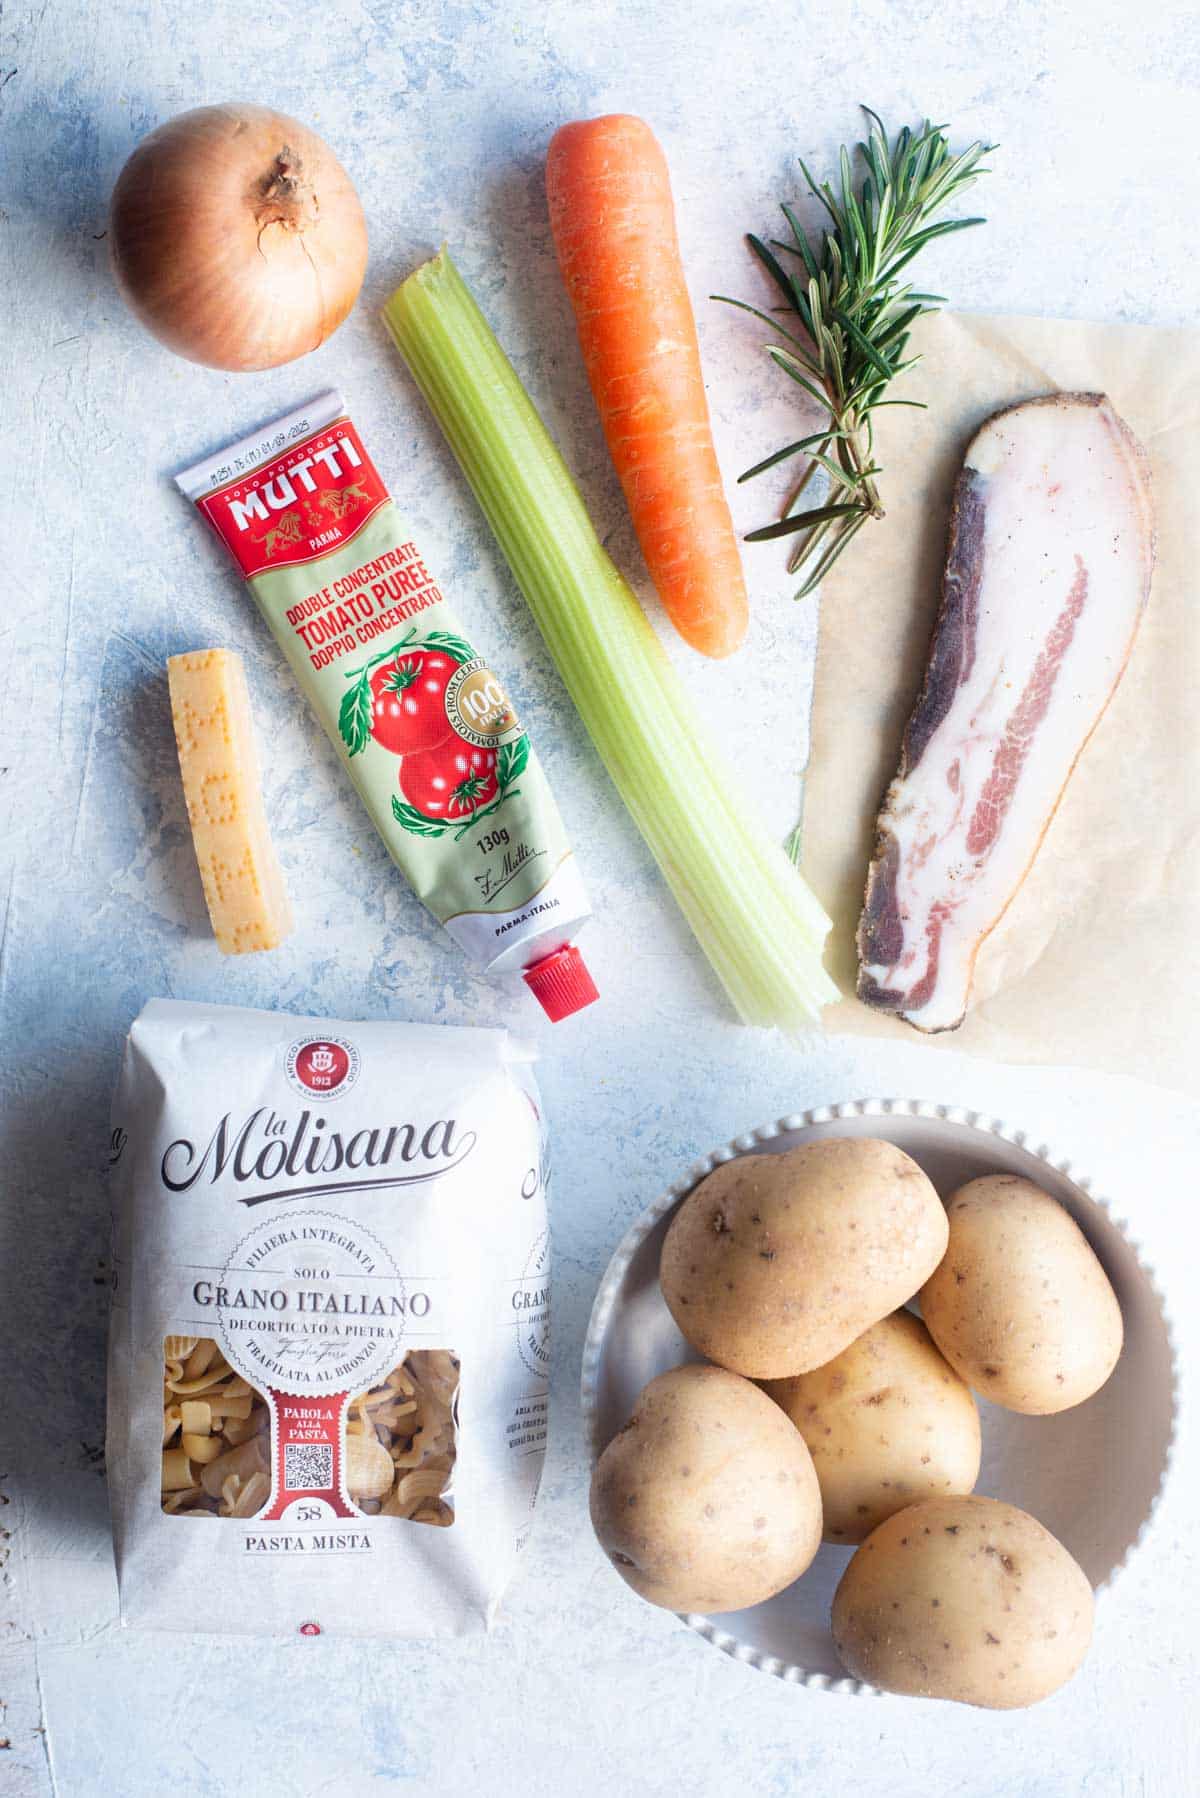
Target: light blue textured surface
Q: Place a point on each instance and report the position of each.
(442, 114)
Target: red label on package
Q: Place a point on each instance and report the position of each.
(311, 499)
(308, 1458)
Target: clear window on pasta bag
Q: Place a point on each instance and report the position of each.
(399, 1439)
(216, 1434)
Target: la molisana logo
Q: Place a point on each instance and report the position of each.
(322, 1067)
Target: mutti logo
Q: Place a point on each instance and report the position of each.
(308, 501)
(288, 487)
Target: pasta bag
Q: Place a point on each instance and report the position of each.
(330, 1323)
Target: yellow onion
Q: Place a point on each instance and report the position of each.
(237, 237)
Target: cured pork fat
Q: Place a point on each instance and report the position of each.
(1047, 577)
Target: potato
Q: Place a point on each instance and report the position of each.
(707, 1499)
(775, 1263)
(887, 1422)
(963, 1598)
(1020, 1307)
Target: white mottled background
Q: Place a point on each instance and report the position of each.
(442, 114)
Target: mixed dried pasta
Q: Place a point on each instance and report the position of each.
(411, 1416)
(216, 1434)
(216, 1459)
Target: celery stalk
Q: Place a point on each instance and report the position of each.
(759, 925)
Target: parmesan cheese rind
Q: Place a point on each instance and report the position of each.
(243, 882)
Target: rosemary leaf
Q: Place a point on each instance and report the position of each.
(782, 359)
(847, 478)
(744, 306)
(802, 244)
(840, 542)
(821, 438)
(783, 527)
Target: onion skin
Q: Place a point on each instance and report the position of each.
(237, 237)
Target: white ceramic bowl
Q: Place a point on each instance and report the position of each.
(1092, 1475)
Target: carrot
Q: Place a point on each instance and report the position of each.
(614, 230)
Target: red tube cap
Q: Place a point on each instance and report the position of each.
(561, 983)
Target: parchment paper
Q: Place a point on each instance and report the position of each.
(1095, 963)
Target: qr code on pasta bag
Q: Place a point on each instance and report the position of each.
(308, 1467)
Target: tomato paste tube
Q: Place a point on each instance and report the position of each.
(427, 731)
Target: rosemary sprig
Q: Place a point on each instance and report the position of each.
(855, 317)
